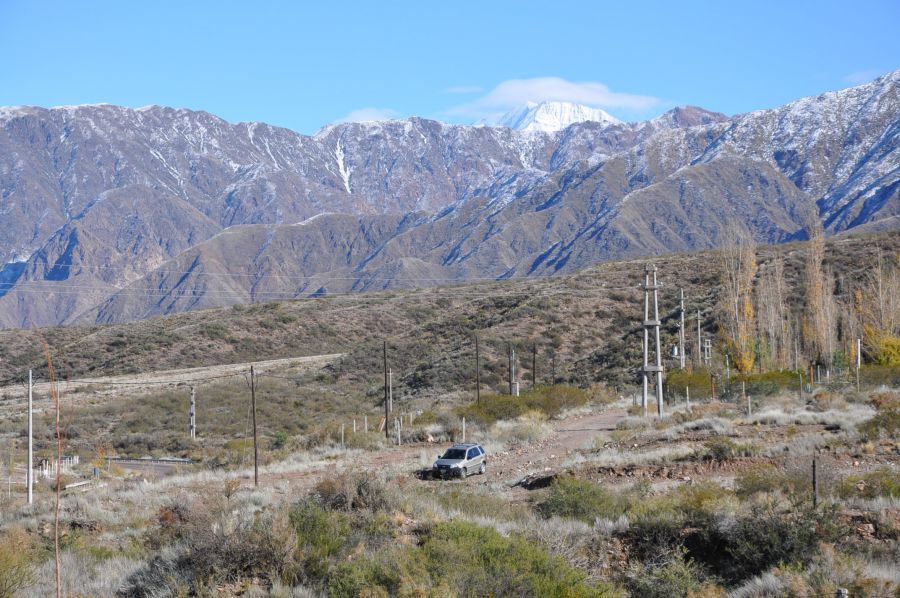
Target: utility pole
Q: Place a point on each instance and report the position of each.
(387, 390)
(650, 284)
(681, 334)
(515, 373)
(699, 341)
(477, 372)
(533, 365)
(707, 351)
(253, 404)
(509, 368)
(29, 467)
(858, 360)
(193, 413)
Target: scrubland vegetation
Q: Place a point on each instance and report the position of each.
(584, 495)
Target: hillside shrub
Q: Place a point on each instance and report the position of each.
(550, 400)
(885, 424)
(463, 559)
(16, 568)
(766, 537)
(883, 481)
(766, 479)
(673, 574)
(581, 499)
(354, 491)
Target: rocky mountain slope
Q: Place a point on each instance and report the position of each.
(111, 214)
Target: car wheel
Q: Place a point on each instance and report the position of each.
(463, 473)
(481, 469)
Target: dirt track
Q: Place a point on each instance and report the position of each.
(110, 386)
(570, 434)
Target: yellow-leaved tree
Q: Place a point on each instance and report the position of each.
(878, 307)
(738, 270)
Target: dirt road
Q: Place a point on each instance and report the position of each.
(73, 393)
(569, 435)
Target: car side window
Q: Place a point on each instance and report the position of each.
(480, 451)
(473, 453)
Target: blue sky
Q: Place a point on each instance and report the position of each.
(302, 65)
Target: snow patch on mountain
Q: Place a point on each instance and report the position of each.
(548, 117)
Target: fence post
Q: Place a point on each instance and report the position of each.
(815, 485)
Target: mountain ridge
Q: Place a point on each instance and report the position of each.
(108, 196)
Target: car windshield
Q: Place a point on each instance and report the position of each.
(454, 454)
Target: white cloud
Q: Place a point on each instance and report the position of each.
(515, 92)
(863, 76)
(369, 115)
(463, 89)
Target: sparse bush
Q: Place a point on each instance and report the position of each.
(16, 570)
(281, 438)
(321, 537)
(768, 536)
(885, 424)
(722, 449)
(767, 478)
(884, 481)
(672, 574)
(549, 400)
(581, 499)
(354, 492)
(463, 559)
(216, 546)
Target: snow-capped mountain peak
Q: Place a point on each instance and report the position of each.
(552, 116)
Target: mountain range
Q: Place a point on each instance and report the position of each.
(111, 214)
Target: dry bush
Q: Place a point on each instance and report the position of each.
(16, 570)
(888, 400)
(214, 543)
(354, 491)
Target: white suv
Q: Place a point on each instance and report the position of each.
(460, 460)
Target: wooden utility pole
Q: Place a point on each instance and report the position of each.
(387, 390)
(650, 284)
(253, 407)
(29, 465)
(815, 484)
(477, 372)
(533, 365)
(681, 334)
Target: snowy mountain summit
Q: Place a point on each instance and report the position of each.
(553, 116)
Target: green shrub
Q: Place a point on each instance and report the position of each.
(580, 499)
(766, 537)
(549, 400)
(463, 559)
(885, 424)
(321, 537)
(722, 449)
(16, 570)
(281, 438)
(655, 532)
(768, 478)
(673, 574)
(880, 482)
